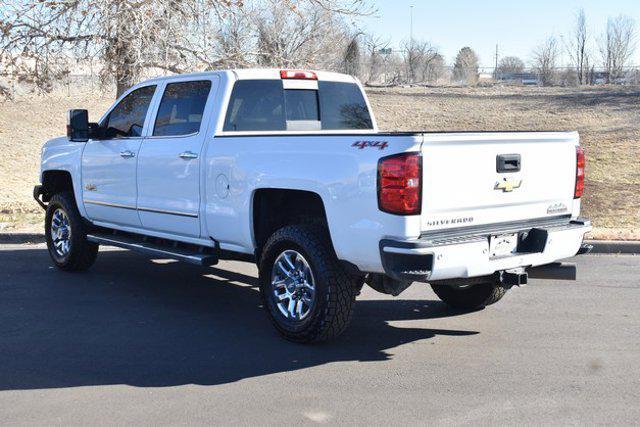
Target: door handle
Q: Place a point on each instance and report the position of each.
(187, 155)
(127, 154)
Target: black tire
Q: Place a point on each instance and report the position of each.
(470, 297)
(81, 253)
(335, 289)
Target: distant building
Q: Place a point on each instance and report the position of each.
(524, 78)
(485, 77)
(599, 77)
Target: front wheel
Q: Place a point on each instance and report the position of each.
(470, 297)
(305, 290)
(66, 237)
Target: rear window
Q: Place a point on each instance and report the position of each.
(303, 112)
(263, 105)
(343, 107)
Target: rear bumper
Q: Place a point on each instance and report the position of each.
(457, 255)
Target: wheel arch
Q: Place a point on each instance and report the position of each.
(273, 208)
(55, 181)
(59, 180)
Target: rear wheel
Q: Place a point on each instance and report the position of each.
(65, 232)
(470, 297)
(305, 290)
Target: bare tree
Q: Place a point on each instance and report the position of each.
(393, 69)
(376, 53)
(126, 35)
(343, 7)
(617, 45)
(418, 57)
(577, 48)
(307, 37)
(410, 54)
(430, 62)
(465, 68)
(351, 56)
(544, 61)
(510, 64)
(130, 36)
(434, 69)
(232, 46)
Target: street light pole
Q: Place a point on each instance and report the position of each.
(411, 25)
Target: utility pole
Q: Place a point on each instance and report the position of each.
(411, 26)
(495, 70)
(410, 58)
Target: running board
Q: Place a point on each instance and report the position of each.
(157, 247)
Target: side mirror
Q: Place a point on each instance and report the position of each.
(78, 125)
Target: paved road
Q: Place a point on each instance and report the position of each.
(141, 341)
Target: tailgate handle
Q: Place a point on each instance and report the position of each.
(508, 163)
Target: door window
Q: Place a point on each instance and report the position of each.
(181, 108)
(126, 120)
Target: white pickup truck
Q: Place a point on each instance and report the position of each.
(287, 169)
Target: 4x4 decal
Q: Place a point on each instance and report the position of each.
(381, 145)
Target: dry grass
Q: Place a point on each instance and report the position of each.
(608, 120)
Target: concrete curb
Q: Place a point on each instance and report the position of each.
(21, 238)
(599, 246)
(614, 246)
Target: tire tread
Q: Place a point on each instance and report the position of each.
(341, 287)
(472, 298)
(83, 253)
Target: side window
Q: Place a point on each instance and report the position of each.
(181, 108)
(127, 118)
(256, 105)
(342, 106)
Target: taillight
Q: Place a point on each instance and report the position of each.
(580, 164)
(400, 184)
(298, 74)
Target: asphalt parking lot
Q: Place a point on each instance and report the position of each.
(141, 341)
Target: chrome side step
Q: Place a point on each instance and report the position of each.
(151, 246)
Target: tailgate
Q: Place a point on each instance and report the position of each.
(469, 179)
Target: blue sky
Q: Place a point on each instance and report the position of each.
(517, 26)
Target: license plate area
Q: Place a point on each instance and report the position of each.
(503, 245)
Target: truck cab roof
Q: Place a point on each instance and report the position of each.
(254, 74)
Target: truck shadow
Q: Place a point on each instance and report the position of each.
(133, 321)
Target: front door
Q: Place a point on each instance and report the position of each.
(109, 165)
(170, 159)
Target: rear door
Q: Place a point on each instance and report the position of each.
(169, 161)
(473, 179)
(109, 165)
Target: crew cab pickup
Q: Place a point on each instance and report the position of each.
(287, 169)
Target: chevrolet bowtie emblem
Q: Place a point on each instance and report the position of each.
(507, 185)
